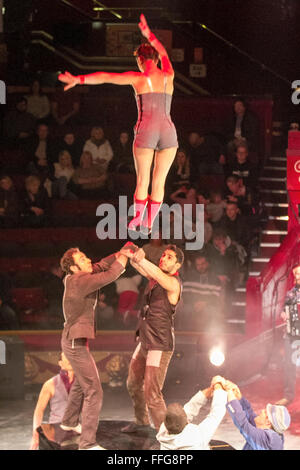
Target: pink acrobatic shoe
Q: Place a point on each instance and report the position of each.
(139, 206)
(152, 212)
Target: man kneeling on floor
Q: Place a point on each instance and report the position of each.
(177, 432)
(263, 431)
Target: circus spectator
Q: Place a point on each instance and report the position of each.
(179, 174)
(185, 195)
(37, 103)
(127, 287)
(63, 172)
(35, 209)
(122, 161)
(242, 168)
(19, 124)
(99, 147)
(104, 311)
(239, 193)
(41, 145)
(89, 179)
(9, 203)
(202, 296)
(64, 109)
(224, 260)
(206, 153)
(54, 289)
(236, 225)
(216, 206)
(241, 127)
(73, 144)
(8, 317)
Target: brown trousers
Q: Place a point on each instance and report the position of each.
(86, 393)
(147, 373)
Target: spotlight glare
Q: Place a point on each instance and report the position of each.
(216, 356)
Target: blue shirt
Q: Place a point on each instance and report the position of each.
(243, 416)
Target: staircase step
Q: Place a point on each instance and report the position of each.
(278, 184)
(277, 204)
(257, 267)
(277, 159)
(270, 244)
(275, 210)
(268, 251)
(239, 296)
(273, 172)
(273, 198)
(277, 225)
(274, 168)
(279, 217)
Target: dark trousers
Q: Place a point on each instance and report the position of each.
(291, 345)
(147, 372)
(86, 394)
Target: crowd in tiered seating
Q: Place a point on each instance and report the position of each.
(54, 176)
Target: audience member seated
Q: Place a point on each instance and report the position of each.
(73, 145)
(215, 207)
(60, 119)
(41, 153)
(8, 317)
(64, 109)
(99, 147)
(54, 290)
(9, 203)
(89, 179)
(203, 197)
(37, 103)
(239, 193)
(41, 145)
(19, 124)
(236, 226)
(122, 161)
(184, 195)
(63, 172)
(104, 312)
(224, 260)
(179, 174)
(127, 287)
(242, 168)
(35, 204)
(243, 126)
(208, 229)
(202, 295)
(206, 154)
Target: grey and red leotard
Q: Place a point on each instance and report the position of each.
(154, 128)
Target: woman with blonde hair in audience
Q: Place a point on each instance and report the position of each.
(63, 172)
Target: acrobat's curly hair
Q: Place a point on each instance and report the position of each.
(67, 260)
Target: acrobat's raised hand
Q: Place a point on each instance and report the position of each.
(69, 79)
(145, 30)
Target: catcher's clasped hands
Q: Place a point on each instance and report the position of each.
(220, 382)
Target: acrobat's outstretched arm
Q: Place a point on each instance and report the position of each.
(98, 78)
(164, 58)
